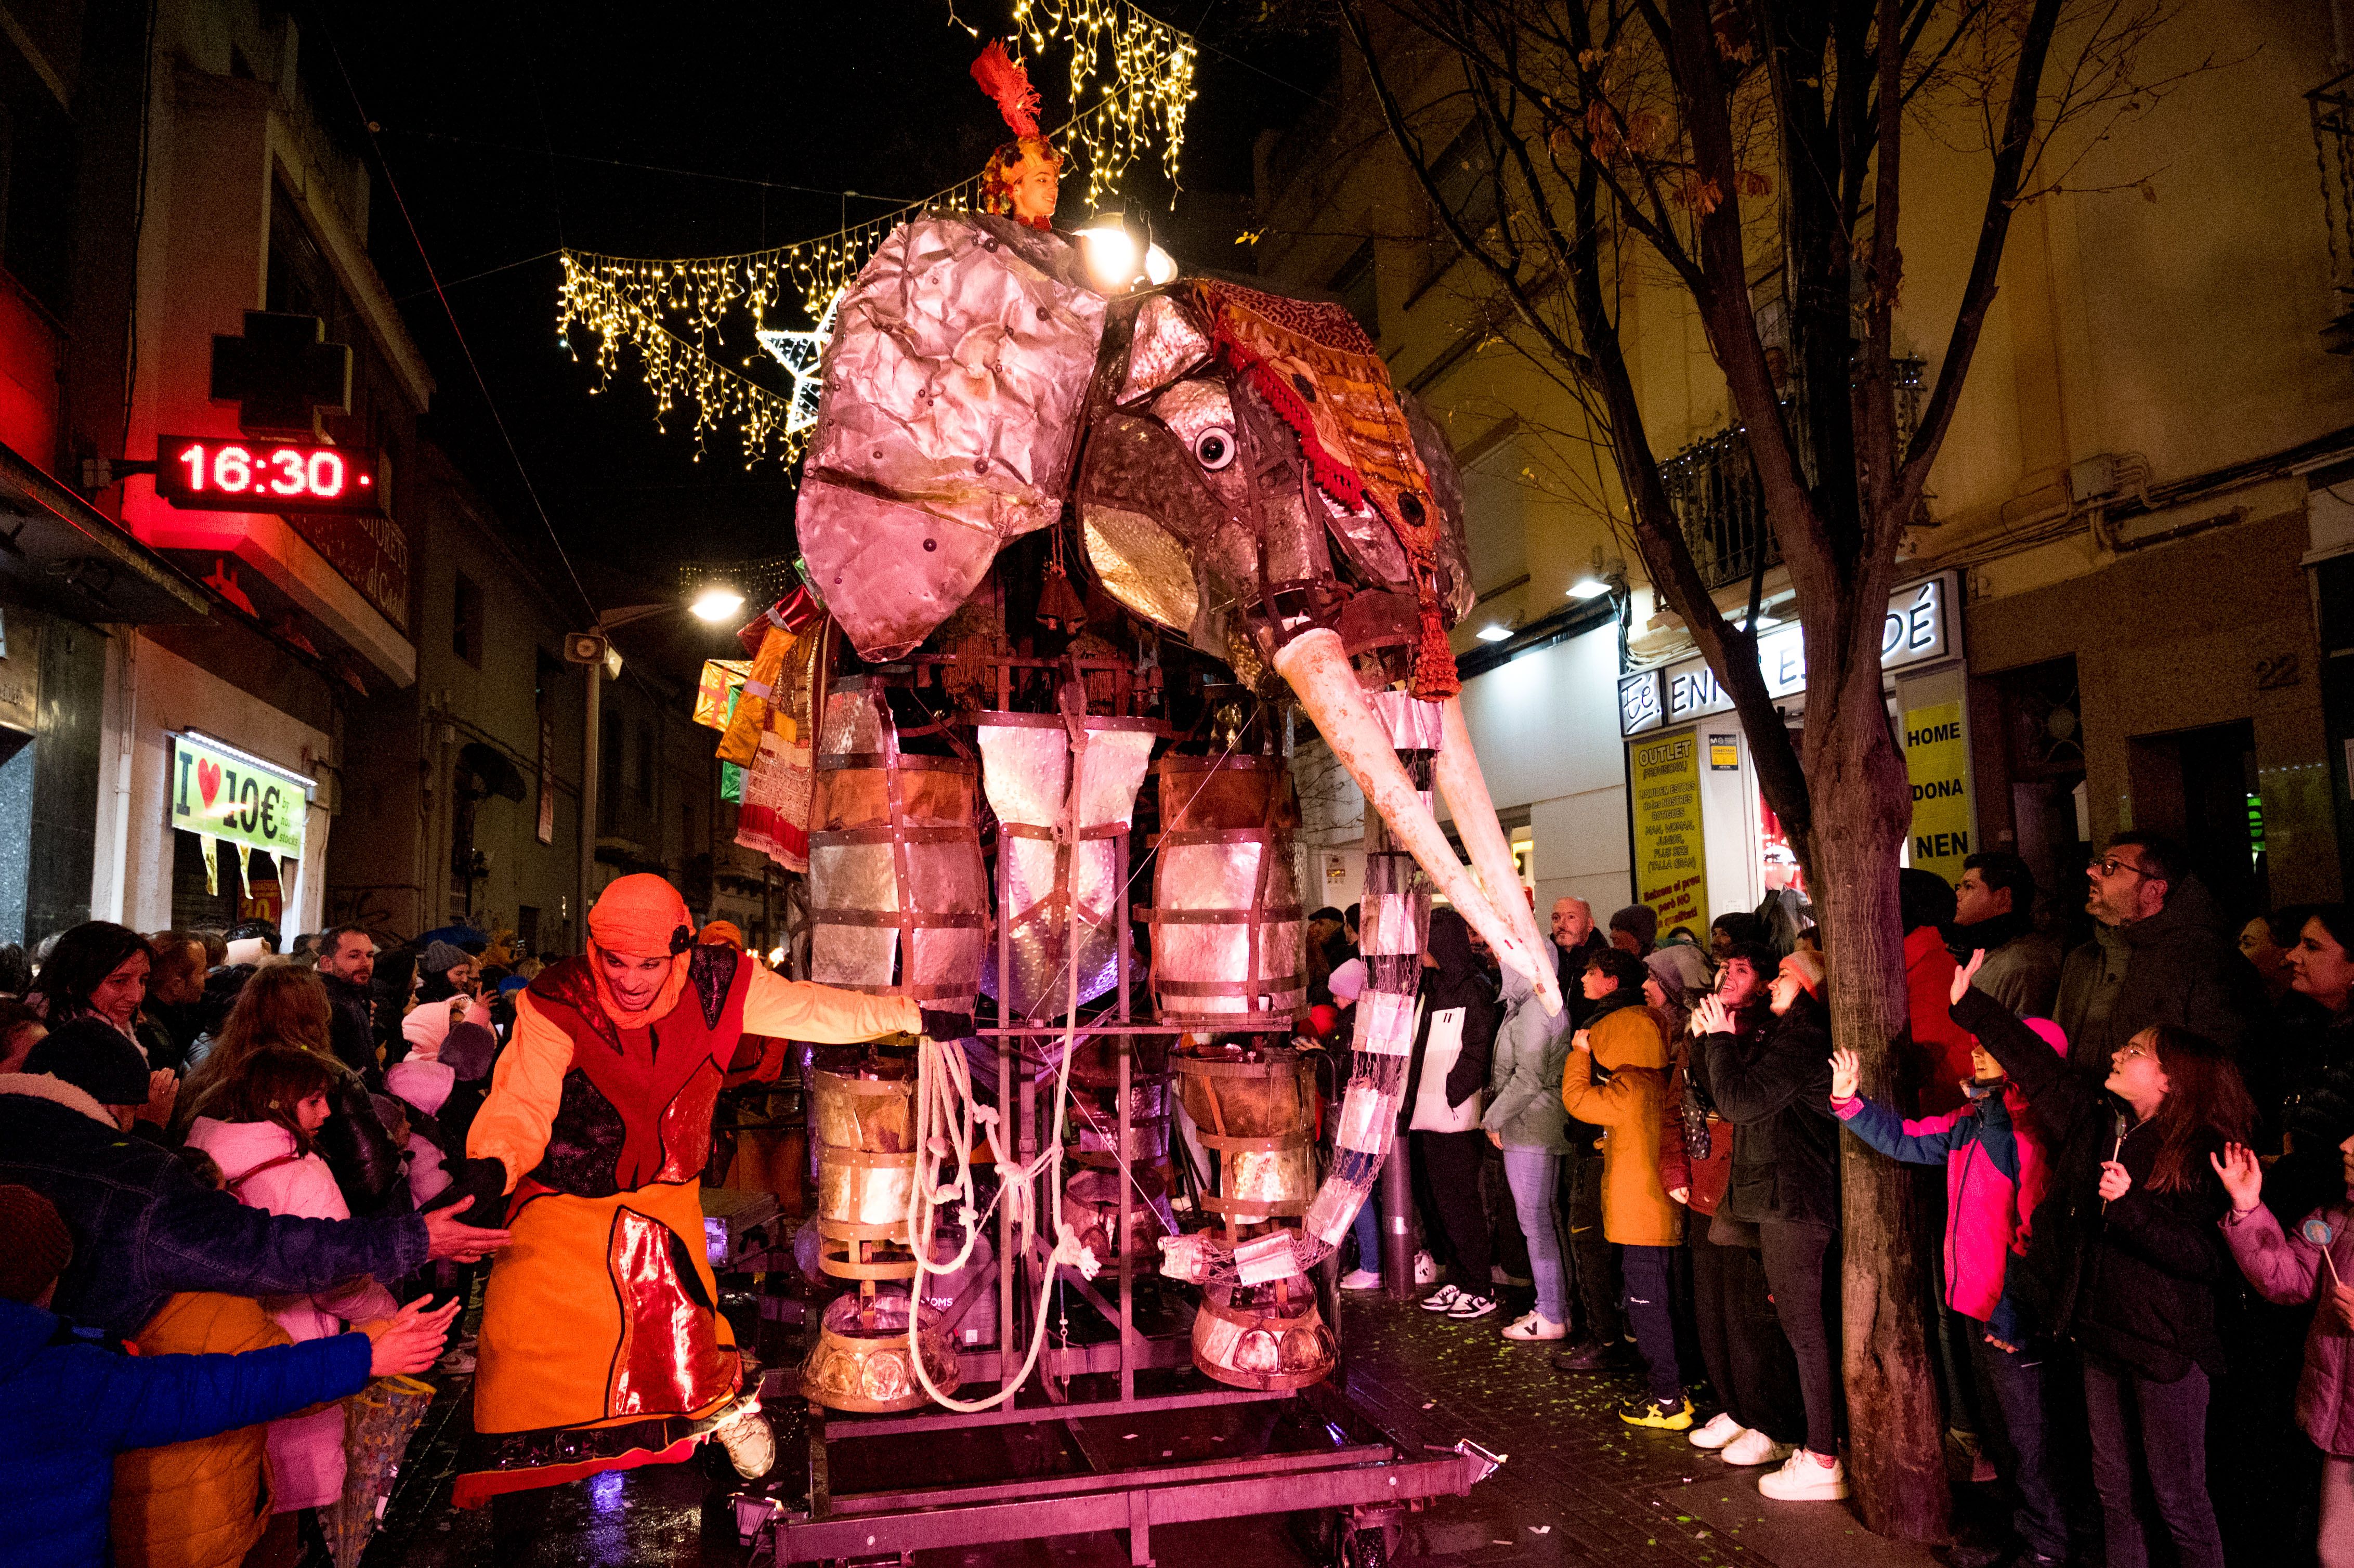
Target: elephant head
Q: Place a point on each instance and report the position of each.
(1243, 475)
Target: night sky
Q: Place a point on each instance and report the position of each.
(512, 128)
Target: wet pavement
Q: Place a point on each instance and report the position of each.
(1577, 1488)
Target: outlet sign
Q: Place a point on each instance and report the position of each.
(1918, 630)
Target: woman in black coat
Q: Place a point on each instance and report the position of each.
(1774, 1086)
(1458, 1006)
(2124, 1256)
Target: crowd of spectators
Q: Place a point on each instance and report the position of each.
(2135, 1155)
(218, 1162)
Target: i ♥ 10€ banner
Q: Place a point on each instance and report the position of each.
(224, 794)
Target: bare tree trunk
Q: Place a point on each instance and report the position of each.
(1861, 808)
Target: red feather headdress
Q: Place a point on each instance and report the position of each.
(1010, 85)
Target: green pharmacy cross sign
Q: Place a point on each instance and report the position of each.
(219, 792)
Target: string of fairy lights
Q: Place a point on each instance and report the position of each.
(670, 310)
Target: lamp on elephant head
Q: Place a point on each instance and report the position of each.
(1120, 254)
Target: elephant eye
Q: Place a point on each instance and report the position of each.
(1214, 448)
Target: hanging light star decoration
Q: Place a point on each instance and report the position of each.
(670, 310)
(802, 354)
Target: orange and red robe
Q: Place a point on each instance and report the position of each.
(601, 1345)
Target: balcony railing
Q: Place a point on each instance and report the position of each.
(1713, 486)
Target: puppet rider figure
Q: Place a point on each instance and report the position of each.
(601, 1348)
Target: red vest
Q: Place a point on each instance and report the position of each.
(637, 1103)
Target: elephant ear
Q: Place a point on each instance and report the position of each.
(954, 386)
(1455, 594)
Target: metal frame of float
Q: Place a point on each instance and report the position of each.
(1370, 1473)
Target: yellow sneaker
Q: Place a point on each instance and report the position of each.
(1675, 1417)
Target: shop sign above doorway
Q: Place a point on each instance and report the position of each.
(219, 792)
(1916, 631)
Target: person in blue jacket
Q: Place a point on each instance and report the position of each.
(69, 1402)
(1998, 1167)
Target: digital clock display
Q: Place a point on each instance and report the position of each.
(208, 474)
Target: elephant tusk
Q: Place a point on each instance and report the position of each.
(1464, 790)
(1318, 670)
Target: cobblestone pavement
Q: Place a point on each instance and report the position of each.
(1578, 1487)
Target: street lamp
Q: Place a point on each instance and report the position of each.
(594, 650)
(716, 604)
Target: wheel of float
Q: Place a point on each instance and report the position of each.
(1366, 1548)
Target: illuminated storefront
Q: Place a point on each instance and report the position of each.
(1704, 842)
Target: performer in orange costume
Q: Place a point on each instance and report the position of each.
(600, 1346)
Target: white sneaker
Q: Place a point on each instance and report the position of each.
(456, 1362)
(1426, 1268)
(1466, 1307)
(1529, 1326)
(1442, 1299)
(1716, 1431)
(1362, 1279)
(1754, 1448)
(1802, 1479)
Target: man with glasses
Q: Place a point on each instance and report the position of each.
(2160, 953)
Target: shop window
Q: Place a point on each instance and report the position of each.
(1358, 285)
(1468, 182)
(2044, 742)
(466, 622)
(2200, 787)
(38, 157)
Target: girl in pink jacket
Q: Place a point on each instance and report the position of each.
(2309, 1263)
(261, 1136)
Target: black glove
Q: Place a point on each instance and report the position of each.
(947, 1026)
(485, 1181)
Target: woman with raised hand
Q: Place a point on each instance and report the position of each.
(2124, 1257)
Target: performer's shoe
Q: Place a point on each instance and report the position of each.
(750, 1442)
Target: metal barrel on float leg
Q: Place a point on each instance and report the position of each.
(1225, 947)
(897, 895)
(863, 1124)
(898, 898)
(1225, 910)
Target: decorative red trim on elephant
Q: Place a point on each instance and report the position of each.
(1314, 362)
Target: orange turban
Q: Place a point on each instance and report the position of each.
(722, 933)
(641, 916)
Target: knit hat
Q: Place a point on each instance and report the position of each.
(94, 1057)
(1639, 921)
(39, 1245)
(1680, 970)
(425, 1084)
(1348, 982)
(440, 958)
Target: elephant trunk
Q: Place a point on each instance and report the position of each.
(1318, 670)
(1464, 790)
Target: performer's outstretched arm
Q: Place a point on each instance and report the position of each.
(526, 1086)
(826, 1014)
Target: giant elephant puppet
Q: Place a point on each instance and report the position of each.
(1245, 477)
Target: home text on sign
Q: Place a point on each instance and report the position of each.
(224, 794)
(1937, 763)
